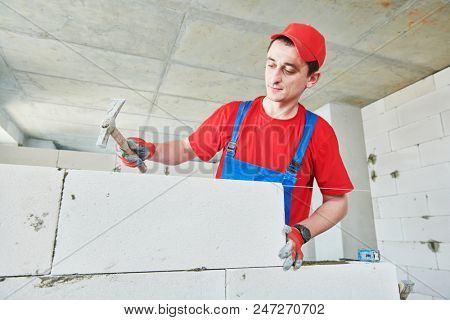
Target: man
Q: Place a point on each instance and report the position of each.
(274, 138)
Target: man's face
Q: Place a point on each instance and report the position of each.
(286, 73)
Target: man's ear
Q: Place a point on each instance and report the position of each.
(313, 79)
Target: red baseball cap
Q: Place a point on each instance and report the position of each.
(309, 42)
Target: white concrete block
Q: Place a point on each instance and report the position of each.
(29, 206)
(442, 78)
(424, 179)
(439, 202)
(429, 228)
(383, 186)
(400, 160)
(28, 156)
(315, 282)
(134, 286)
(446, 122)
(198, 169)
(405, 205)
(38, 143)
(378, 145)
(416, 132)
(431, 282)
(373, 110)
(113, 222)
(443, 256)
(418, 296)
(425, 106)
(210, 85)
(402, 272)
(410, 93)
(435, 151)
(383, 123)
(86, 160)
(408, 253)
(153, 168)
(389, 229)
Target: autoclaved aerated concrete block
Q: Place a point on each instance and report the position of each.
(424, 106)
(405, 205)
(431, 282)
(29, 205)
(28, 156)
(409, 93)
(442, 78)
(112, 222)
(383, 123)
(153, 286)
(424, 229)
(417, 132)
(340, 281)
(86, 160)
(415, 254)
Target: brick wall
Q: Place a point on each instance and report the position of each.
(409, 133)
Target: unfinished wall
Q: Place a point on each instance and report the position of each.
(67, 159)
(72, 234)
(407, 137)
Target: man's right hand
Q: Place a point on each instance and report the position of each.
(144, 150)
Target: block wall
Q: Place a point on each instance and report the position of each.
(66, 159)
(407, 136)
(77, 234)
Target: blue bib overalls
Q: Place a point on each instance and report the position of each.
(235, 169)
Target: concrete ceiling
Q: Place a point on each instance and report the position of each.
(176, 61)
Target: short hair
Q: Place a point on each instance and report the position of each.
(313, 66)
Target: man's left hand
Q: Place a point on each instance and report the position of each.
(292, 251)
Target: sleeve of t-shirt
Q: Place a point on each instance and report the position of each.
(215, 132)
(329, 169)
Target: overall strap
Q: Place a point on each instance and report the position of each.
(310, 122)
(243, 108)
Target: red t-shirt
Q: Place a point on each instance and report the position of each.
(272, 143)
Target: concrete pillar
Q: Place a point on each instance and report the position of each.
(356, 230)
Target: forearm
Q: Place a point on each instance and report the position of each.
(173, 152)
(332, 210)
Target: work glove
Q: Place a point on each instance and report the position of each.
(292, 250)
(144, 150)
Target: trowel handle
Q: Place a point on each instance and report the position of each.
(123, 144)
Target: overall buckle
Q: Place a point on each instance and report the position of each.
(293, 167)
(231, 147)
